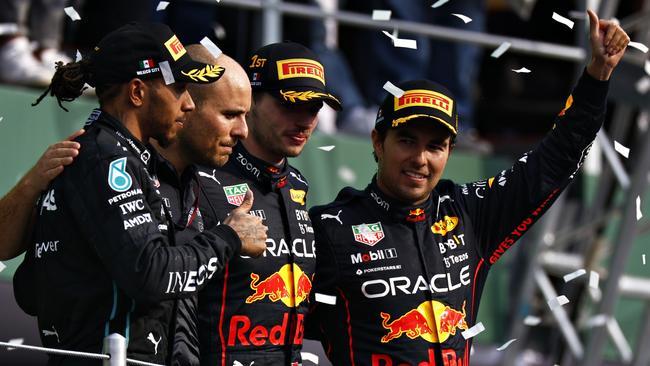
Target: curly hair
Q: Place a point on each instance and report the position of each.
(68, 82)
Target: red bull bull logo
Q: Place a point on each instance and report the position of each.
(416, 215)
(433, 321)
(290, 285)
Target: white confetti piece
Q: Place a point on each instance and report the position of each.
(594, 278)
(346, 174)
(402, 43)
(2, 265)
(573, 275)
(521, 70)
(532, 321)
(391, 88)
(1, 118)
(596, 321)
(621, 149)
(72, 13)
(439, 3)
(643, 259)
(560, 19)
(643, 85)
(639, 215)
(579, 15)
(462, 17)
(473, 331)
(166, 72)
(78, 56)
(505, 345)
(381, 14)
(8, 28)
(557, 302)
(327, 148)
(325, 299)
(647, 67)
(639, 46)
(16, 341)
(213, 48)
(308, 356)
(503, 47)
(162, 5)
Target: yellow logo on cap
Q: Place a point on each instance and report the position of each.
(425, 98)
(298, 196)
(175, 47)
(300, 68)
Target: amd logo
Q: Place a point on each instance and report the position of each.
(373, 255)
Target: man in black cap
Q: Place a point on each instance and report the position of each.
(102, 258)
(401, 265)
(253, 311)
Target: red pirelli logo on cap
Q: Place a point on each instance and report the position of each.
(175, 47)
(300, 68)
(425, 98)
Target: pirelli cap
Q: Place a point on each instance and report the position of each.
(422, 99)
(136, 50)
(290, 72)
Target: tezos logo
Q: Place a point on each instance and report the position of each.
(118, 178)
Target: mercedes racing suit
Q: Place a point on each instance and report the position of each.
(103, 260)
(398, 284)
(254, 310)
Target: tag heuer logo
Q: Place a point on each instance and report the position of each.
(369, 234)
(235, 194)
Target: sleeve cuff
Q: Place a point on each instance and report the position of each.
(229, 235)
(591, 91)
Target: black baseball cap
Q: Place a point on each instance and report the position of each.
(136, 50)
(422, 99)
(290, 72)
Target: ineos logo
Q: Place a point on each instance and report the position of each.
(248, 166)
(380, 201)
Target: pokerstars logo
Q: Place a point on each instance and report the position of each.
(300, 68)
(425, 98)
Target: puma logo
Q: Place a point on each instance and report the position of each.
(297, 177)
(213, 177)
(151, 338)
(52, 332)
(237, 363)
(335, 217)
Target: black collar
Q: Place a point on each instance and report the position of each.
(258, 169)
(396, 210)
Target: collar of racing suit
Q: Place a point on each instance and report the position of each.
(399, 211)
(260, 170)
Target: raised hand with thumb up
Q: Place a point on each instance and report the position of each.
(250, 229)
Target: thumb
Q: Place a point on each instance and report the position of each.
(593, 24)
(75, 134)
(247, 204)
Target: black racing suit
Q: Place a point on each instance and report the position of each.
(254, 310)
(397, 284)
(102, 261)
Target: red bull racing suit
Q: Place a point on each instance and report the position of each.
(254, 310)
(398, 284)
(103, 258)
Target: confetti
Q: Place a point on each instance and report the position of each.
(347, 175)
(8, 28)
(72, 13)
(2, 266)
(560, 19)
(473, 331)
(213, 48)
(402, 43)
(439, 3)
(639, 215)
(643, 259)
(462, 17)
(643, 85)
(503, 47)
(573, 275)
(557, 302)
(594, 277)
(639, 46)
(522, 70)
(532, 321)
(162, 5)
(596, 321)
(325, 299)
(381, 14)
(167, 72)
(505, 345)
(78, 57)
(308, 356)
(327, 148)
(1, 118)
(391, 88)
(16, 341)
(575, 14)
(621, 149)
(647, 67)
